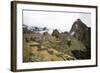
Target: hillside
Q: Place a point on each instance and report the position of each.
(53, 47)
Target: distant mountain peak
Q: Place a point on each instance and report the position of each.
(81, 31)
(79, 22)
(77, 26)
(34, 28)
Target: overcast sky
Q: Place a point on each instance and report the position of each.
(54, 20)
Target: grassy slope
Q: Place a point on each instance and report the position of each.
(52, 50)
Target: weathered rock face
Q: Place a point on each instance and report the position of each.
(82, 32)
